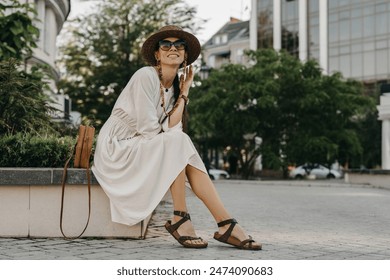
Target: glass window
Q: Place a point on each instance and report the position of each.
(333, 32)
(381, 23)
(368, 9)
(314, 36)
(344, 49)
(334, 63)
(313, 6)
(344, 30)
(368, 46)
(356, 47)
(333, 17)
(333, 51)
(224, 38)
(333, 3)
(314, 21)
(356, 12)
(356, 28)
(357, 65)
(369, 63)
(381, 62)
(380, 8)
(344, 15)
(368, 26)
(343, 3)
(315, 54)
(381, 44)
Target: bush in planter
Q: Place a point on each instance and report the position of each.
(31, 150)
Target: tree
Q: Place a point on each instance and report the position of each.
(18, 34)
(300, 114)
(104, 50)
(23, 105)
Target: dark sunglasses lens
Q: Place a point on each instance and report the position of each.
(180, 45)
(166, 45)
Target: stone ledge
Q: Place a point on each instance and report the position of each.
(368, 171)
(30, 200)
(43, 176)
(373, 177)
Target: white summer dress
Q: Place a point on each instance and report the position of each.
(134, 163)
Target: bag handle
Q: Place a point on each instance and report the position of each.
(81, 138)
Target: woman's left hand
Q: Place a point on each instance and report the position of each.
(186, 80)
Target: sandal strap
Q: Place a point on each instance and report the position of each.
(227, 233)
(181, 214)
(185, 217)
(226, 222)
(249, 240)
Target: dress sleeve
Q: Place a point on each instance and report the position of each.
(143, 94)
(166, 128)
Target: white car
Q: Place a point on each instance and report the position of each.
(316, 171)
(218, 174)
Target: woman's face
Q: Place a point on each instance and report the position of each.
(171, 51)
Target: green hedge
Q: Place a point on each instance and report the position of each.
(27, 150)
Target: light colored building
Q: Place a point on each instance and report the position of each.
(51, 15)
(227, 45)
(349, 36)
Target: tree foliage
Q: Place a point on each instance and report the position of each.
(18, 34)
(103, 51)
(24, 107)
(301, 114)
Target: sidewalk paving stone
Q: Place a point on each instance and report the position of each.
(303, 220)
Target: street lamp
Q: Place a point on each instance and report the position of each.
(204, 72)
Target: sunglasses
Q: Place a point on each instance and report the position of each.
(166, 45)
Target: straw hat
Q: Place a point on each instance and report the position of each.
(150, 45)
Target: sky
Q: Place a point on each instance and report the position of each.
(217, 12)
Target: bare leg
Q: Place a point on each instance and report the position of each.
(205, 190)
(178, 192)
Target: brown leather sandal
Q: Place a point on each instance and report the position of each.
(172, 229)
(229, 239)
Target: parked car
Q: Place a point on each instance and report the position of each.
(218, 174)
(317, 171)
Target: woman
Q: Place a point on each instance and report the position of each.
(142, 152)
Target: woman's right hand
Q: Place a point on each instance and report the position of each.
(186, 80)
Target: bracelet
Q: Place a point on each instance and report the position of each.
(186, 99)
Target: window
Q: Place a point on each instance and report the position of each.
(381, 62)
(356, 28)
(357, 65)
(224, 38)
(369, 63)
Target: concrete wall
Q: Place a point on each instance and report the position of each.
(375, 178)
(30, 200)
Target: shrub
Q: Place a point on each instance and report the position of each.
(31, 150)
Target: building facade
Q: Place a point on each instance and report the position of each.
(227, 45)
(51, 15)
(349, 36)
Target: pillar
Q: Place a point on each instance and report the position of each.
(253, 26)
(384, 116)
(323, 9)
(277, 26)
(303, 41)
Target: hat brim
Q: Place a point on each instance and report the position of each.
(150, 45)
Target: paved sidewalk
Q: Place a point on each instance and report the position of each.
(294, 220)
